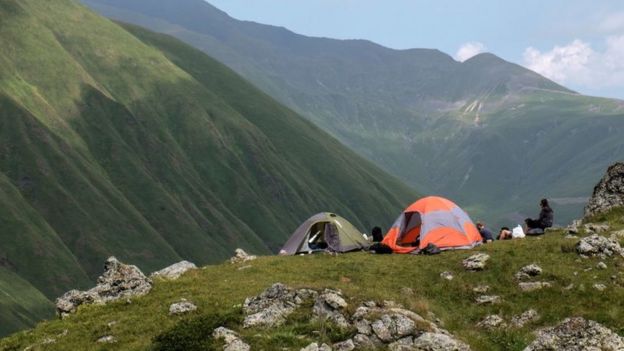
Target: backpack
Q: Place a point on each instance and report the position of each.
(430, 249)
(380, 248)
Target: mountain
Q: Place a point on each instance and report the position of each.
(490, 134)
(147, 149)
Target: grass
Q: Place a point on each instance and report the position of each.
(219, 291)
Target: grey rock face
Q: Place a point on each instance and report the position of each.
(609, 193)
(118, 281)
(174, 271)
(527, 272)
(596, 245)
(476, 262)
(181, 307)
(241, 256)
(492, 321)
(532, 286)
(576, 334)
(523, 319)
(438, 342)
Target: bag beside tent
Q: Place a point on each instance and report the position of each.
(325, 231)
(432, 220)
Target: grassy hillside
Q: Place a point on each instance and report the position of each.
(363, 277)
(111, 146)
(488, 133)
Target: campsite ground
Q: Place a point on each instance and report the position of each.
(219, 291)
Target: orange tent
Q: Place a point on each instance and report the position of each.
(432, 220)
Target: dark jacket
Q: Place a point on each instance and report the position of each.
(546, 217)
(486, 234)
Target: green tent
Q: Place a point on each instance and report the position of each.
(325, 232)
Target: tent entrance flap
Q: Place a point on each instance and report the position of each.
(316, 237)
(410, 229)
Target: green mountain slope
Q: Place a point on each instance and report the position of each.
(361, 277)
(488, 133)
(110, 146)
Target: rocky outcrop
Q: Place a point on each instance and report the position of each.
(273, 305)
(174, 271)
(609, 193)
(576, 334)
(118, 281)
(596, 245)
(476, 262)
(241, 256)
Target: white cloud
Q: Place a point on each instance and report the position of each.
(468, 50)
(577, 63)
(612, 23)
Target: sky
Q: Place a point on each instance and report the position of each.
(577, 43)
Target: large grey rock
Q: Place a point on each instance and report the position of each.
(181, 307)
(118, 281)
(476, 262)
(576, 334)
(330, 306)
(493, 321)
(346, 345)
(174, 271)
(608, 193)
(241, 256)
(439, 342)
(272, 306)
(527, 272)
(596, 245)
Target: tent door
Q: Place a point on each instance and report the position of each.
(410, 229)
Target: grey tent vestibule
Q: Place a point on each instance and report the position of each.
(325, 231)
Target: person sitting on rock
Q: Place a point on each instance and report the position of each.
(486, 235)
(545, 220)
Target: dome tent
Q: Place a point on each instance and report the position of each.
(325, 231)
(432, 220)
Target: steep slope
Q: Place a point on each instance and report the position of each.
(109, 147)
(486, 132)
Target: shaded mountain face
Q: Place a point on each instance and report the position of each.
(492, 135)
(150, 151)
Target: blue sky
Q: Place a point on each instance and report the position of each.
(577, 43)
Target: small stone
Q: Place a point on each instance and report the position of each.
(315, 347)
(181, 308)
(532, 286)
(382, 330)
(493, 321)
(241, 256)
(527, 272)
(487, 299)
(108, 339)
(601, 265)
(447, 275)
(600, 287)
(476, 262)
(407, 291)
(526, 317)
(481, 289)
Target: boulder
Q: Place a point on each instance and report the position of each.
(596, 245)
(439, 342)
(527, 272)
(174, 271)
(608, 193)
(241, 256)
(523, 319)
(118, 281)
(476, 262)
(532, 286)
(181, 307)
(491, 322)
(576, 334)
(272, 306)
